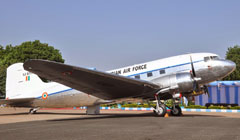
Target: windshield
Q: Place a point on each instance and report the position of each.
(214, 57)
(211, 58)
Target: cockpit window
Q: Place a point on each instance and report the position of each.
(206, 59)
(211, 58)
(214, 57)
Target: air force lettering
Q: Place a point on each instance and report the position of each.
(139, 67)
(130, 69)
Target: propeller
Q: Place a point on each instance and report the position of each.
(206, 91)
(195, 84)
(195, 78)
(193, 70)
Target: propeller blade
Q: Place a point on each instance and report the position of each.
(195, 85)
(206, 91)
(193, 70)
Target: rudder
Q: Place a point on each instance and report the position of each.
(21, 83)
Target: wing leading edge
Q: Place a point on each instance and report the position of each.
(100, 84)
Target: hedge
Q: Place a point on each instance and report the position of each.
(196, 107)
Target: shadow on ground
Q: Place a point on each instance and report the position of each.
(108, 115)
(103, 115)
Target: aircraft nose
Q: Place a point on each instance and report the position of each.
(230, 65)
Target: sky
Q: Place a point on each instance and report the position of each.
(109, 34)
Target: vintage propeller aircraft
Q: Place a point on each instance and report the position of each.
(163, 79)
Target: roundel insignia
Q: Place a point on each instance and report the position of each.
(44, 96)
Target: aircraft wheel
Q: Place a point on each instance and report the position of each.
(161, 111)
(32, 111)
(177, 111)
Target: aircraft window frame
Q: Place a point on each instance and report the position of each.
(214, 57)
(207, 58)
(137, 77)
(162, 71)
(149, 74)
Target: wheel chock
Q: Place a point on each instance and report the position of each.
(166, 115)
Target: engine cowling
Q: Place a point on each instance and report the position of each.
(179, 82)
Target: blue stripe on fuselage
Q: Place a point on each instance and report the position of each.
(56, 93)
(165, 68)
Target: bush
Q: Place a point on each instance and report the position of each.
(109, 105)
(235, 107)
(217, 107)
(211, 107)
(196, 107)
(104, 105)
(145, 105)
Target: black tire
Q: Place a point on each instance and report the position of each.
(32, 111)
(177, 111)
(162, 111)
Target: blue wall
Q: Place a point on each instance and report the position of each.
(221, 92)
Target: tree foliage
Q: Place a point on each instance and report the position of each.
(20, 53)
(233, 54)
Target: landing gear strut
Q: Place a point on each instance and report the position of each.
(160, 109)
(33, 110)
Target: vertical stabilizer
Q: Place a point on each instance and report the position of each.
(21, 83)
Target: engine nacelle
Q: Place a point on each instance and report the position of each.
(179, 82)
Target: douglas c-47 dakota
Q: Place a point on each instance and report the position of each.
(163, 79)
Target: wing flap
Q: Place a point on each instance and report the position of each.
(100, 84)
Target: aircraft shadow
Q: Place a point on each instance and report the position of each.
(14, 114)
(104, 115)
(107, 115)
(41, 113)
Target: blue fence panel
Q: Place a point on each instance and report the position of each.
(221, 92)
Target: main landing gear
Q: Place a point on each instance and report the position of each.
(161, 108)
(176, 110)
(33, 110)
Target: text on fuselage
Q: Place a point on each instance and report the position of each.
(130, 69)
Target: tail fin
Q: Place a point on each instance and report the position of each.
(21, 83)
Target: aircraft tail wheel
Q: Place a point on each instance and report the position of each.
(32, 111)
(177, 111)
(161, 110)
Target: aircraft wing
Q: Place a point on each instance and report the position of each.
(23, 102)
(100, 84)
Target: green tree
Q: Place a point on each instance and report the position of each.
(21, 53)
(233, 54)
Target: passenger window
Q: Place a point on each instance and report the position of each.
(149, 74)
(206, 59)
(137, 77)
(162, 71)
